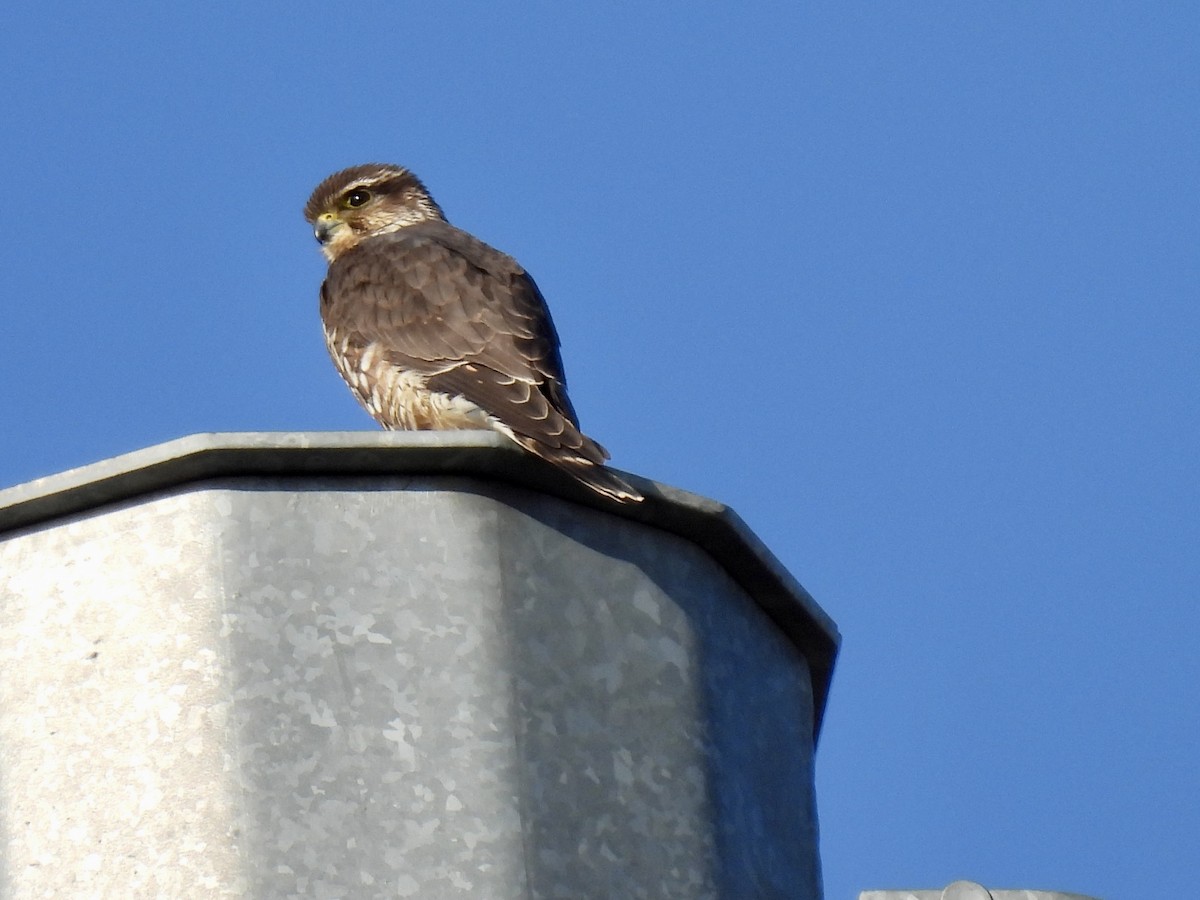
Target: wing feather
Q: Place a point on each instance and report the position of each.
(437, 301)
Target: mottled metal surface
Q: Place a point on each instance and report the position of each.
(708, 524)
(392, 687)
(970, 890)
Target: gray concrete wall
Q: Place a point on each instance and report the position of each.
(406, 687)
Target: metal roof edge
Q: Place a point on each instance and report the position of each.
(711, 525)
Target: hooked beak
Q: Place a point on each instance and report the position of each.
(327, 224)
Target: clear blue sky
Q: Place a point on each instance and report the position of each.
(913, 287)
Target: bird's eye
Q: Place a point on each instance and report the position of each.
(356, 198)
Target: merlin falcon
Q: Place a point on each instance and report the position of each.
(432, 329)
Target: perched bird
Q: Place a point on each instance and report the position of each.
(433, 329)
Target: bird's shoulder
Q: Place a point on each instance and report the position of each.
(430, 270)
(430, 293)
(433, 243)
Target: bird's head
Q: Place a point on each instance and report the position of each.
(364, 201)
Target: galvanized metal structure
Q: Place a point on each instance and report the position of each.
(397, 665)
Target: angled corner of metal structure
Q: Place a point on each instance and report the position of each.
(406, 664)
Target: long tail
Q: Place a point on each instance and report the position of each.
(600, 479)
(587, 469)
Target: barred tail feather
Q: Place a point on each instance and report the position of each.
(601, 480)
(588, 471)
